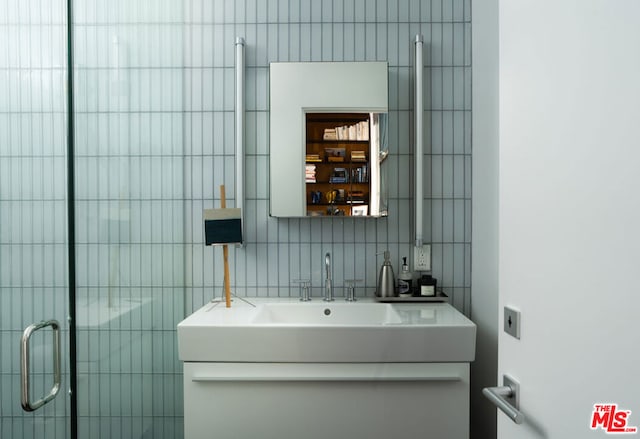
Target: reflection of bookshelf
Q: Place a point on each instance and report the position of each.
(337, 169)
(310, 173)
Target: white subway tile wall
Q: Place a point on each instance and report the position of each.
(279, 250)
(154, 139)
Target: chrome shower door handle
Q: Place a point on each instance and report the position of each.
(27, 405)
(506, 398)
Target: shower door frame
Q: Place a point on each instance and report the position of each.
(71, 235)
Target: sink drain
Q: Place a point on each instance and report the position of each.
(327, 311)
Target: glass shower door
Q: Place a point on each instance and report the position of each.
(129, 216)
(33, 221)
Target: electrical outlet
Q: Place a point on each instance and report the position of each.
(422, 258)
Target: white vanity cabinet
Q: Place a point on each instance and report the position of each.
(320, 401)
(246, 376)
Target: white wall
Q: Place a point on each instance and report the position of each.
(484, 255)
(569, 210)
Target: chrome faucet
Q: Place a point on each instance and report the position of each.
(328, 290)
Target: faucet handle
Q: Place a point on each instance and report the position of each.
(350, 284)
(305, 287)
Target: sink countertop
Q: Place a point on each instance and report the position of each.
(425, 332)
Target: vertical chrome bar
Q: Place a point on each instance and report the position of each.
(418, 141)
(239, 121)
(24, 367)
(27, 405)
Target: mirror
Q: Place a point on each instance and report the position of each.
(343, 157)
(328, 139)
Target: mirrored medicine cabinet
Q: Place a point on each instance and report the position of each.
(328, 139)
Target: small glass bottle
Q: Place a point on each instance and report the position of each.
(405, 280)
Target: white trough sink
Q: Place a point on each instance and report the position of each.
(285, 330)
(318, 313)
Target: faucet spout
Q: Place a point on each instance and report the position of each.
(328, 289)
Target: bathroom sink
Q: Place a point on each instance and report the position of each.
(330, 314)
(286, 330)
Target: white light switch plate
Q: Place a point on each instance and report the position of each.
(422, 258)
